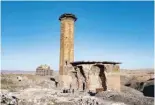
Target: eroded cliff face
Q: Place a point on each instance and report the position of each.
(87, 77)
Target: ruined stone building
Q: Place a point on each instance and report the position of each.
(89, 76)
(44, 70)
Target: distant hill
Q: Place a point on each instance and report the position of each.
(56, 72)
(138, 71)
(17, 72)
(143, 69)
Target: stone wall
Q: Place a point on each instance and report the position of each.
(91, 77)
(113, 81)
(42, 72)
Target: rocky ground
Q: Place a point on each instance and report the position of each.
(28, 89)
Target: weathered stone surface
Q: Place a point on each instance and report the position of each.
(19, 78)
(74, 83)
(86, 68)
(108, 67)
(66, 41)
(44, 70)
(128, 90)
(68, 80)
(113, 81)
(129, 99)
(89, 77)
(140, 83)
(81, 79)
(39, 93)
(9, 99)
(94, 79)
(116, 68)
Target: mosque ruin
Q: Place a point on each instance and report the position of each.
(91, 76)
(44, 70)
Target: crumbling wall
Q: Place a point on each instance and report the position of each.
(86, 68)
(108, 68)
(90, 77)
(81, 78)
(94, 79)
(74, 83)
(103, 76)
(116, 68)
(114, 74)
(65, 80)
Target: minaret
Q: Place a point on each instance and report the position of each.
(67, 40)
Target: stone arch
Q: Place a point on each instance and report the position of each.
(94, 79)
(98, 72)
(82, 71)
(103, 76)
(81, 78)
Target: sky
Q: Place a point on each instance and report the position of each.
(104, 31)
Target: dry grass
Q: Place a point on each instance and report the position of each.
(8, 84)
(11, 83)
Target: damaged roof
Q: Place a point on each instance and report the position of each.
(93, 62)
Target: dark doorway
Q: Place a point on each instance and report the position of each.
(84, 86)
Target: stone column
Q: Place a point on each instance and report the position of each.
(67, 40)
(94, 79)
(113, 80)
(86, 69)
(81, 79)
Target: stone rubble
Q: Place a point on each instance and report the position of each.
(42, 91)
(39, 96)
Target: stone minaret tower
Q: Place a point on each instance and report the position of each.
(67, 40)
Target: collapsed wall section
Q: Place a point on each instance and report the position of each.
(91, 77)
